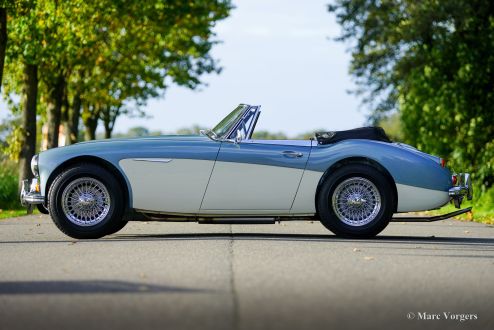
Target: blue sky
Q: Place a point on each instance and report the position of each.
(280, 54)
(276, 53)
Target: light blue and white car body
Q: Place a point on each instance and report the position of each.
(209, 176)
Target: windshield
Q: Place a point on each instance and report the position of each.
(226, 124)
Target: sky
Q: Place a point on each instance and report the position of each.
(276, 53)
(279, 54)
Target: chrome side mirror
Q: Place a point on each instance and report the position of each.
(239, 137)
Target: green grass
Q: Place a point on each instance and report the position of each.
(478, 214)
(4, 214)
(9, 197)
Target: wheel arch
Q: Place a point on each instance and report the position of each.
(96, 161)
(358, 160)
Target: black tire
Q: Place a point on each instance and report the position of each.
(336, 221)
(121, 224)
(42, 208)
(108, 223)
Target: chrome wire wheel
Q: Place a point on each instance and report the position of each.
(356, 201)
(86, 201)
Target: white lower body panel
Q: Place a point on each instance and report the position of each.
(173, 186)
(412, 198)
(305, 201)
(241, 188)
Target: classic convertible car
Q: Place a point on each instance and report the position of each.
(352, 181)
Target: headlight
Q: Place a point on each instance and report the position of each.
(34, 165)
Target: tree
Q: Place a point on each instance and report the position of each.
(138, 131)
(432, 62)
(24, 52)
(3, 40)
(168, 41)
(28, 137)
(95, 59)
(266, 135)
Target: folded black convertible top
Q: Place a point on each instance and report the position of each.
(366, 133)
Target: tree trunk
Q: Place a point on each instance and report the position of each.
(3, 40)
(108, 131)
(109, 116)
(90, 130)
(74, 113)
(90, 121)
(107, 122)
(28, 142)
(54, 111)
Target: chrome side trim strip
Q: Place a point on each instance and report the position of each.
(153, 160)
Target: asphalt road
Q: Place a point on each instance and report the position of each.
(285, 276)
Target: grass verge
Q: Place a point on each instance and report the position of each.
(477, 214)
(4, 214)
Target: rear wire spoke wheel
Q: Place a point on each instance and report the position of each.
(356, 200)
(86, 201)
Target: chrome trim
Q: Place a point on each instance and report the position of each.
(257, 110)
(34, 165)
(86, 201)
(463, 188)
(226, 137)
(406, 218)
(356, 201)
(292, 154)
(210, 134)
(153, 160)
(29, 195)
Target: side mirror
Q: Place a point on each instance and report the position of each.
(239, 137)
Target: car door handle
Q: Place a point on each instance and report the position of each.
(292, 154)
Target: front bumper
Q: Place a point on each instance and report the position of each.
(462, 188)
(30, 193)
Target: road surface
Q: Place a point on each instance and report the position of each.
(293, 275)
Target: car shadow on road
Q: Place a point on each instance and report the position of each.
(308, 237)
(87, 287)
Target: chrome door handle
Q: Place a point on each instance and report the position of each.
(292, 154)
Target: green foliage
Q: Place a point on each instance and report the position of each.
(266, 135)
(9, 198)
(485, 202)
(193, 130)
(393, 127)
(109, 54)
(432, 61)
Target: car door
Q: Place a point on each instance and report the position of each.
(170, 176)
(255, 178)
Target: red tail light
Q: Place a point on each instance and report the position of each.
(443, 162)
(454, 178)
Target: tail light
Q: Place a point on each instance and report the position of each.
(443, 162)
(454, 179)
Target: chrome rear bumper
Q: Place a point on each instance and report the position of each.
(30, 193)
(462, 188)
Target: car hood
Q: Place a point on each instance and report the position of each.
(115, 148)
(148, 138)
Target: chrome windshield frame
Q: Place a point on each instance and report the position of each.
(250, 130)
(228, 136)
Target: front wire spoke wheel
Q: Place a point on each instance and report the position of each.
(86, 201)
